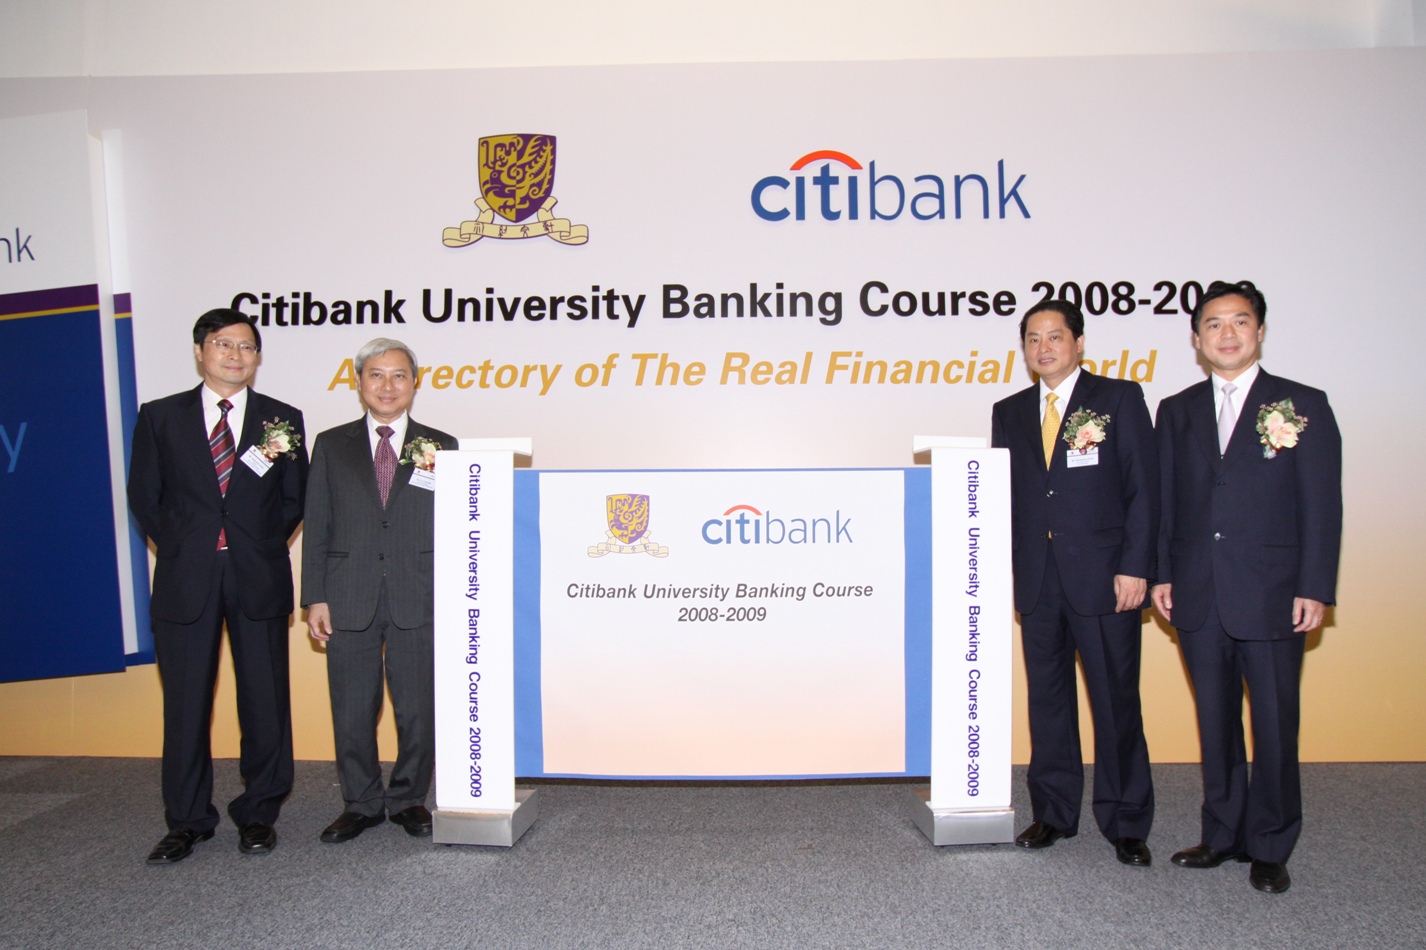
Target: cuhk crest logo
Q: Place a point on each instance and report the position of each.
(627, 517)
(517, 180)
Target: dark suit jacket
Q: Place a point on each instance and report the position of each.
(1253, 532)
(1104, 517)
(350, 543)
(173, 491)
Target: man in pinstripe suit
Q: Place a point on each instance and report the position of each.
(368, 586)
(220, 499)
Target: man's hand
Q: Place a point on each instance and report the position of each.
(1307, 614)
(1162, 595)
(319, 622)
(1129, 592)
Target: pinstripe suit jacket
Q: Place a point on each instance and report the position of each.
(173, 491)
(1244, 532)
(350, 544)
(1104, 517)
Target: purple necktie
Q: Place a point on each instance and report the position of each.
(385, 462)
(220, 443)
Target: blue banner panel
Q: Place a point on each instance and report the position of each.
(918, 621)
(129, 414)
(59, 586)
(529, 717)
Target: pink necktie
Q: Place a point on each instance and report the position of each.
(385, 462)
(1227, 418)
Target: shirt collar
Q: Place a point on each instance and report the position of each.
(1064, 389)
(1244, 382)
(238, 400)
(398, 426)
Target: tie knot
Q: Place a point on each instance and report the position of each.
(385, 432)
(1229, 389)
(224, 405)
(1050, 399)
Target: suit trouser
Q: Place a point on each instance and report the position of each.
(1260, 816)
(187, 655)
(356, 660)
(1109, 648)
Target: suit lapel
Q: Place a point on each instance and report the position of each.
(253, 422)
(356, 451)
(1082, 392)
(403, 472)
(1244, 443)
(192, 423)
(1029, 427)
(1204, 424)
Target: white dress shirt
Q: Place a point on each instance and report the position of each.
(398, 435)
(211, 412)
(1244, 382)
(1064, 390)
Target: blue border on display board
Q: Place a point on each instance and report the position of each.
(529, 709)
(529, 722)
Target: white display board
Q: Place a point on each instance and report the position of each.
(751, 626)
(971, 629)
(474, 630)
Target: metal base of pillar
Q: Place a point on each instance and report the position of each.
(499, 829)
(945, 826)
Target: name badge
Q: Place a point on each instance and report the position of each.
(1077, 459)
(255, 460)
(423, 478)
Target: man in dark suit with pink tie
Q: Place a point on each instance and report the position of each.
(217, 480)
(1248, 551)
(1084, 506)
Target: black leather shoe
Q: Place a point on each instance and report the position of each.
(177, 845)
(416, 820)
(1269, 877)
(348, 825)
(1041, 835)
(1133, 852)
(1202, 856)
(257, 838)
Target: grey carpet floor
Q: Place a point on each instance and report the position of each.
(616, 865)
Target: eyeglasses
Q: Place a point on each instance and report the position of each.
(226, 347)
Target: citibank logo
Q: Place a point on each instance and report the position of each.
(744, 524)
(844, 189)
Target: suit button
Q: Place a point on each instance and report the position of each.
(1220, 484)
(386, 524)
(381, 557)
(224, 512)
(1049, 493)
(1217, 536)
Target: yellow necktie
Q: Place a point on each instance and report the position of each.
(1050, 428)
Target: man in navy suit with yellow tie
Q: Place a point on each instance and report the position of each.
(1084, 507)
(1248, 550)
(217, 479)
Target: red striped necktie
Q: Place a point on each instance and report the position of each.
(220, 443)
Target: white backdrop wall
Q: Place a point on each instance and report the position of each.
(1297, 170)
